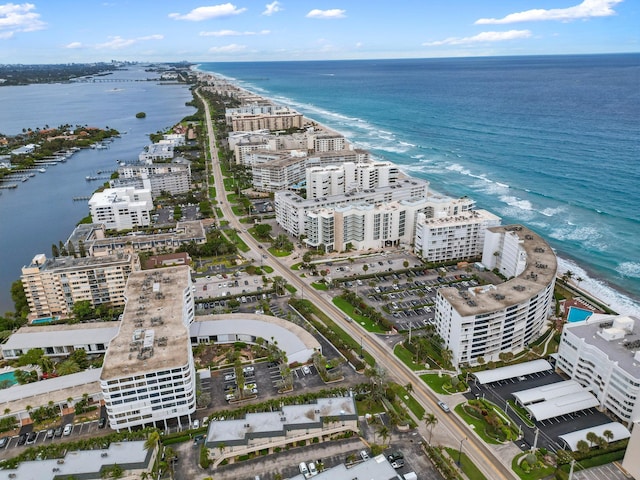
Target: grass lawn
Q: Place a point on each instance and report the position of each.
(407, 357)
(232, 198)
(409, 401)
(212, 192)
(320, 286)
(436, 383)
(477, 424)
(533, 474)
(291, 288)
(296, 266)
(365, 406)
(233, 236)
(279, 253)
(347, 308)
(219, 214)
(267, 268)
(467, 466)
(229, 184)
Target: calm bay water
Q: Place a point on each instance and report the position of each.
(552, 142)
(41, 212)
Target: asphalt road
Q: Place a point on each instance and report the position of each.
(483, 457)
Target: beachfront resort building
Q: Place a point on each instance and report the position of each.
(452, 237)
(53, 285)
(121, 208)
(479, 323)
(337, 179)
(363, 226)
(148, 373)
(292, 210)
(602, 353)
(157, 152)
(260, 116)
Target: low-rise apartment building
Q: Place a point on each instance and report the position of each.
(121, 208)
(479, 323)
(53, 285)
(148, 373)
(602, 353)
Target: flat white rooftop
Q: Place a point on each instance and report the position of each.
(556, 407)
(377, 468)
(618, 430)
(547, 392)
(512, 371)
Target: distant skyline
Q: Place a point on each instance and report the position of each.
(64, 31)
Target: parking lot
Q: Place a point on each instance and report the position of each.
(223, 285)
(407, 299)
(549, 430)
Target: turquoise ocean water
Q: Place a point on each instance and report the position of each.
(549, 141)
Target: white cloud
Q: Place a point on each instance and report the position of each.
(233, 33)
(232, 48)
(206, 13)
(484, 37)
(19, 18)
(74, 45)
(333, 13)
(271, 8)
(587, 9)
(118, 42)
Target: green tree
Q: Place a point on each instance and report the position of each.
(32, 357)
(608, 434)
(80, 358)
(67, 367)
(263, 230)
(592, 438)
(82, 310)
(430, 420)
(582, 446)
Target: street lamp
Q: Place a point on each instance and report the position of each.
(460, 450)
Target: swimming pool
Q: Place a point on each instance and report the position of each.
(8, 376)
(44, 320)
(578, 314)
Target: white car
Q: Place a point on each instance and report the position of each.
(248, 369)
(67, 429)
(312, 469)
(196, 424)
(364, 455)
(306, 370)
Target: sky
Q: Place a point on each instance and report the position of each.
(65, 31)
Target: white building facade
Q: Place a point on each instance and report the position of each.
(602, 353)
(453, 237)
(480, 323)
(148, 373)
(121, 208)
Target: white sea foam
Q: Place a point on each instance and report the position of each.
(550, 212)
(516, 202)
(597, 288)
(629, 269)
(420, 157)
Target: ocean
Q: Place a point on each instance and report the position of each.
(41, 211)
(552, 142)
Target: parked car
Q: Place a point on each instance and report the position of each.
(102, 422)
(22, 439)
(68, 428)
(312, 469)
(248, 369)
(230, 376)
(303, 469)
(31, 438)
(392, 457)
(196, 423)
(58, 431)
(4, 441)
(49, 434)
(306, 370)
(398, 463)
(364, 455)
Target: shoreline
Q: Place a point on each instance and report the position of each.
(620, 301)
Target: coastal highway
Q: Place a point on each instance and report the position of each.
(481, 455)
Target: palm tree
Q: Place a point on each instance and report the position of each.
(608, 434)
(592, 438)
(152, 440)
(582, 446)
(430, 421)
(384, 432)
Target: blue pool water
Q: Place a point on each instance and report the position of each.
(10, 376)
(44, 320)
(578, 314)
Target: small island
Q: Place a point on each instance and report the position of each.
(141, 115)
